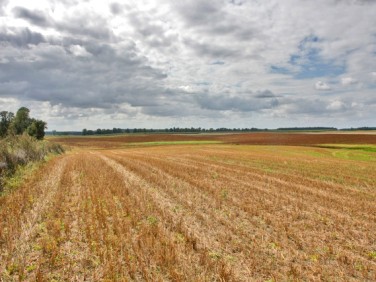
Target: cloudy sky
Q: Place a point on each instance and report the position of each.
(209, 63)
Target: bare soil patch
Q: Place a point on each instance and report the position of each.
(292, 139)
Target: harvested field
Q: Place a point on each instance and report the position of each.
(204, 212)
(294, 139)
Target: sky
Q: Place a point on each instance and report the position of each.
(202, 63)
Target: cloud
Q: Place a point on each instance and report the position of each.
(348, 81)
(337, 105)
(192, 61)
(210, 50)
(248, 102)
(79, 51)
(86, 26)
(152, 31)
(115, 8)
(265, 94)
(55, 75)
(373, 75)
(21, 37)
(195, 12)
(34, 17)
(318, 107)
(320, 85)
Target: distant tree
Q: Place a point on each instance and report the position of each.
(21, 121)
(5, 121)
(36, 128)
(84, 131)
(116, 130)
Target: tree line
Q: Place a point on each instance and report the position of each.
(20, 123)
(100, 131)
(307, 128)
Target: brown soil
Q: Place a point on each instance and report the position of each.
(296, 139)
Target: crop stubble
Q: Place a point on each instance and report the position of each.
(196, 213)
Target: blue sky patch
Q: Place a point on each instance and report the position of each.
(312, 65)
(309, 62)
(280, 70)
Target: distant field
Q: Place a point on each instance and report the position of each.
(164, 143)
(241, 138)
(196, 208)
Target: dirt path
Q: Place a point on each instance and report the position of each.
(160, 215)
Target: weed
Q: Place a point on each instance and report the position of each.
(12, 268)
(152, 220)
(224, 194)
(372, 255)
(215, 255)
(31, 268)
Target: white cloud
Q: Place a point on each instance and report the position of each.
(9, 104)
(373, 75)
(79, 51)
(320, 85)
(348, 81)
(336, 105)
(186, 88)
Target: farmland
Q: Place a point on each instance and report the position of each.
(235, 207)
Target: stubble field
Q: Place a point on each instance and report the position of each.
(195, 211)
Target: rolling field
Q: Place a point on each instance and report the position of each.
(261, 138)
(183, 208)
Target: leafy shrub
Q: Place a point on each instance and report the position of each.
(20, 150)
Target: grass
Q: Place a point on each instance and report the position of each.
(359, 152)
(358, 147)
(21, 174)
(19, 155)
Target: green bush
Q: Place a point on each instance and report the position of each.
(20, 150)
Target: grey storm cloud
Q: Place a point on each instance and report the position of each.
(198, 13)
(58, 76)
(21, 37)
(168, 110)
(87, 24)
(265, 94)
(212, 18)
(115, 8)
(34, 17)
(210, 50)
